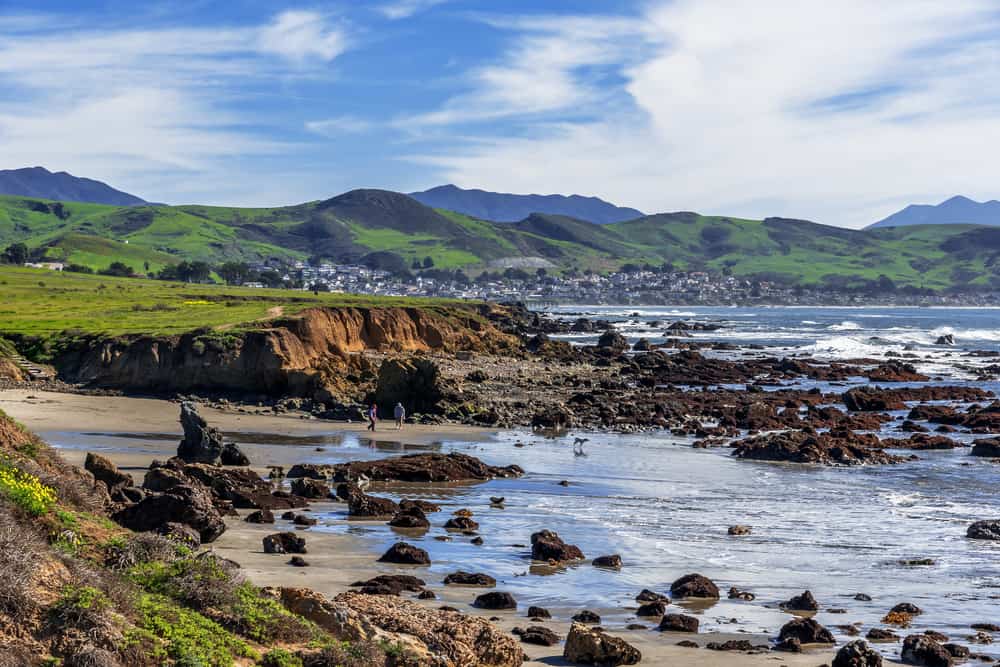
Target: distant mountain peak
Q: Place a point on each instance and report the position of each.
(507, 207)
(957, 210)
(62, 186)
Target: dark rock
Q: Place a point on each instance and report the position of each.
(857, 654)
(405, 554)
(882, 635)
(687, 643)
(201, 443)
(803, 602)
(186, 504)
(410, 516)
(871, 399)
(988, 447)
(546, 545)
(730, 645)
(427, 595)
(180, 534)
(432, 467)
(310, 488)
(495, 600)
(538, 612)
(553, 418)
(390, 584)
(678, 623)
(611, 562)
(649, 596)
(984, 530)
(957, 651)
(284, 543)
(863, 597)
(232, 455)
(737, 594)
(945, 339)
(461, 523)
(304, 520)
(260, 516)
(539, 635)
(694, 586)
(587, 616)
(612, 340)
(924, 651)
(739, 530)
(424, 506)
(841, 447)
(461, 578)
(298, 561)
(360, 504)
(590, 646)
(789, 645)
(657, 608)
(806, 630)
(906, 608)
(105, 471)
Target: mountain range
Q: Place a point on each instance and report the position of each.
(502, 207)
(955, 211)
(60, 186)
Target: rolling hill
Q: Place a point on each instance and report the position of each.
(60, 186)
(393, 230)
(954, 211)
(502, 207)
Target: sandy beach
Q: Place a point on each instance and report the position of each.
(338, 558)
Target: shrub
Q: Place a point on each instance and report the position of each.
(265, 620)
(20, 553)
(25, 490)
(189, 636)
(123, 553)
(280, 657)
(203, 582)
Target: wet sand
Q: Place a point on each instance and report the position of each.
(337, 559)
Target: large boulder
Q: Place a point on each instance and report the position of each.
(546, 545)
(871, 399)
(184, 504)
(453, 467)
(857, 654)
(984, 530)
(405, 554)
(805, 631)
(612, 340)
(694, 586)
(591, 646)
(495, 600)
(284, 543)
(803, 602)
(678, 623)
(201, 443)
(989, 447)
(415, 382)
(105, 471)
(924, 651)
(232, 455)
(241, 487)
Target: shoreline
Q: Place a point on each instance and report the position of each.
(337, 559)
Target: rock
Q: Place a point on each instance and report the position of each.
(539, 635)
(461, 578)
(857, 654)
(310, 488)
(405, 554)
(740, 530)
(984, 530)
(180, 534)
(495, 600)
(427, 595)
(896, 371)
(238, 487)
(988, 447)
(410, 516)
(657, 608)
(553, 418)
(957, 651)
(678, 623)
(730, 645)
(806, 631)
(789, 645)
(260, 516)
(105, 471)
(360, 504)
(612, 562)
(803, 602)
(642, 345)
(587, 616)
(945, 339)
(587, 646)
(924, 651)
(185, 504)
(842, 447)
(882, 635)
(737, 594)
(304, 520)
(649, 596)
(694, 586)
(201, 443)
(871, 399)
(612, 340)
(538, 612)
(546, 545)
(390, 584)
(863, 597)
(906, 608)
(298, 561)
(424, 506)
(284, 543)
(461, 523)
(432, 467)
(232, 455)
(414, 382)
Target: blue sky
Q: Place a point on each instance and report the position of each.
(837, 112)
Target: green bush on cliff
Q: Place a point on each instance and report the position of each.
(25, 490)
(187, 635)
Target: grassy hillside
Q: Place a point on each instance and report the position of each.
(39, 303)
(357, 224)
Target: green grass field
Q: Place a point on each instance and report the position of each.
(36, 302)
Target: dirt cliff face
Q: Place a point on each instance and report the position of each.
(293, 356)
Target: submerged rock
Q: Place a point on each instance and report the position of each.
(984, 530)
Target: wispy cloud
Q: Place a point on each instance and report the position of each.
(837, 111)
(338, 125)
(401, 9)
(300, 35)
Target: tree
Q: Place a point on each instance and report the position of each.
(16, 253)
(415, 266)
(235, 273)
(118, 269)
(428, 262)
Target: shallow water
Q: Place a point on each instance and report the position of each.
(665, 506)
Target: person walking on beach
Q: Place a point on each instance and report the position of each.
(400, 414)
(372, 417)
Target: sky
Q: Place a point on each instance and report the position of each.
(838, 112)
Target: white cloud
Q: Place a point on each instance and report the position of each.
(332, 127)
(401, 9)
(144, 108)
(302, 34)
(839, 112)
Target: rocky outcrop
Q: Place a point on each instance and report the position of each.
(984, 530)
(694, 586)
(841, 447)
(989, 447)
(546, 545)
(414, 382)
(803, 602)
(186, 504)
(924, 651)
(284, 543)
(495, 600)
(805, 631)
(453, 467)
(591, 646)
(202, 443)
(105, 471)
(857, 654)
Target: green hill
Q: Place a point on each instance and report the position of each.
(377, 225)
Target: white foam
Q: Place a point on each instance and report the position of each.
(846, 325)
